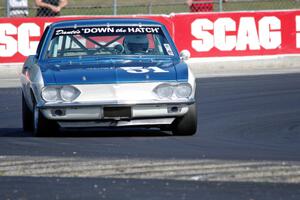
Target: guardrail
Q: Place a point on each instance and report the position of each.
(205, 35)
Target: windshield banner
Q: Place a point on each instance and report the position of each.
(107, 30)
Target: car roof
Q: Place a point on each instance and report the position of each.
(104, 21)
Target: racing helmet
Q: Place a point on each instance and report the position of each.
(136, 43)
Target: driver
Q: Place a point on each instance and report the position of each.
(136, 44)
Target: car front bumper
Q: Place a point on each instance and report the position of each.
(95, 114)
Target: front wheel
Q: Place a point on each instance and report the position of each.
(187, 124)
(43, 126)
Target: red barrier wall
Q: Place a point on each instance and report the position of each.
(238, 34)
(203, 34)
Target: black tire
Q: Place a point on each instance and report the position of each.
(186, 125)
(27, 116)
(43, 127)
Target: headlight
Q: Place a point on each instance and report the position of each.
(56, 93)
(50, 94)
(183, 90)
(164, 91)
(69, 93)
(173, 91)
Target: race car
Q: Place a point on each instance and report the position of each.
(108, 73)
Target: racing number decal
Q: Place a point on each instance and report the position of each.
(142, 70)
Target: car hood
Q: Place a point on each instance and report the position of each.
(113, 71)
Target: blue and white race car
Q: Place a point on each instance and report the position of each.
(108, 73)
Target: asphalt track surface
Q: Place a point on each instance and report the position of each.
(247, 147)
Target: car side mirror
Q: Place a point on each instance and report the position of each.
(185, 54)
(30, 59)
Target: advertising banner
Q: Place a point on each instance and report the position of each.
(238, 34)
(203, 34)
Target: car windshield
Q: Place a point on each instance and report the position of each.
(108, 40)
